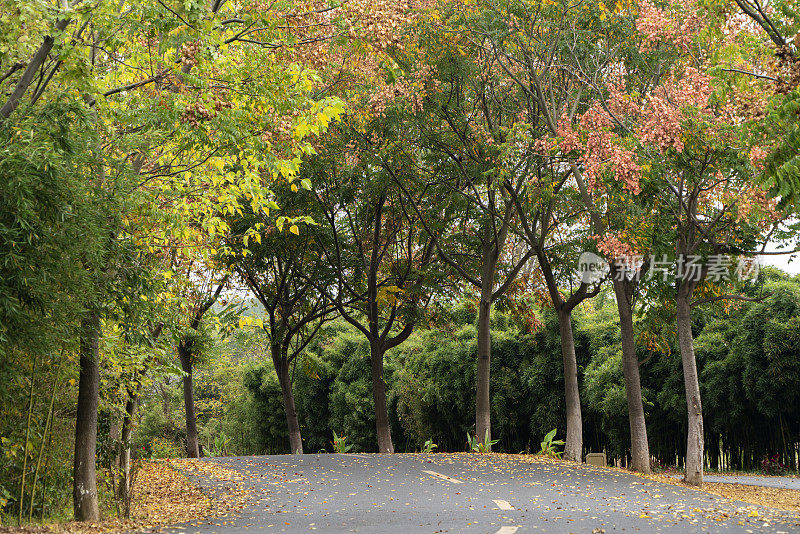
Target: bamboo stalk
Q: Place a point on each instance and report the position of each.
(47, 457)
(47, 426)
(25, 449)
(783, 438)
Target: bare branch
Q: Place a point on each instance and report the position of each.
(727, 297)
(754, 74)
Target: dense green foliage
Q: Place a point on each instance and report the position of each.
(747, 357)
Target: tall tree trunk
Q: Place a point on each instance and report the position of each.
(640, 451)
(382, 427)
(573, 448)
(292, 423)
(694, 443)
(192, 443)
(166, 403)
(483, 409)
(124, 461)
(84, 488)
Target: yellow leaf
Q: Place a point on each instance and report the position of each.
(294, 229)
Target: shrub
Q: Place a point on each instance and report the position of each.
(165, 448)
(771, 465)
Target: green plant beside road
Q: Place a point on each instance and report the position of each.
(429, 446)
(221, 444)
(340, 444)
(549, 445)
(480, 446)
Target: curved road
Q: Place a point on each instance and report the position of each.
(435, 493)
(792, 483)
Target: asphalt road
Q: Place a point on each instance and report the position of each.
(460, 493)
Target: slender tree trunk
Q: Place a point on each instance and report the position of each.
(124, 456)
(166, 404)
(125, 446)
(640, 452)
(573, 448)
(192, 443)
(786, 459)
(24, 83)
(84, 489)
(382, 427)
(292, 423)
(483, 409)
(694, 443)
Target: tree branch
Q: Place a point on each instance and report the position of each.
(30, 72)
(727, 297)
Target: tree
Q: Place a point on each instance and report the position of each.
(470, 168)
(548, 251)
(283, 272)
(371, 238)
(189, 350)
(664, 134)
(167, 105)
(564, 74)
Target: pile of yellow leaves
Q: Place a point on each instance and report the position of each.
(777, 498)
(163, 495)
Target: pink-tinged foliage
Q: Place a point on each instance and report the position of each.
(692, 88)
(757, 156)
(627, 171)
(661, 125)
(620, 103)
(542, 145)
(634, 124)
(657, 26)
(598, 148)
(569, 137)
(663, 112)
(614, 249)
(658, 118)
